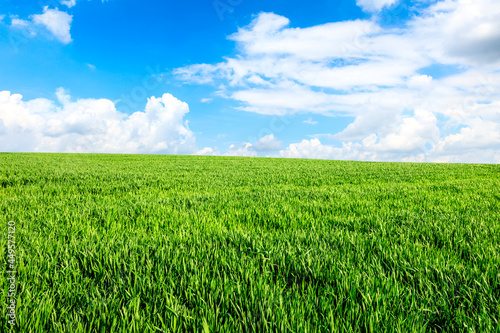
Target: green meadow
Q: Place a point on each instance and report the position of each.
(149, 243)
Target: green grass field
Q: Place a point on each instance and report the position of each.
(142, 243)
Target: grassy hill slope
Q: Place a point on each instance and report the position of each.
(132, 243)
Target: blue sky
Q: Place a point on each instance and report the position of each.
(377, 80)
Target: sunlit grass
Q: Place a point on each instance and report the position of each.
(133, 243)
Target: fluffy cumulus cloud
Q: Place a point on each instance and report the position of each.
(245, 149)
(391, 81)
(52, 22)
(93, 125)
(57, 22)
(208, 151)
(267, 143)
(315, 149)
(469, 31)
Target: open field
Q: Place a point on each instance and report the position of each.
(115, 243)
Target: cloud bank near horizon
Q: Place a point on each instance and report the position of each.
(93, 126)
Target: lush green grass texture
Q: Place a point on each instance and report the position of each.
(137, 243)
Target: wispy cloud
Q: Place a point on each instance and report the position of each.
(375, 5)
(16, 22)
(310, 121)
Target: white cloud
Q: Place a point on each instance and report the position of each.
(479, 142)
(419, 81)
(200, 73)
(92, 67)
(409, 136)
(69, 3)
(244, 149)
(375, 75)
(1, 18)
(93, 125)
(310, 121)
(268, 34)
(24, 27)
(267, 143)
(206, 100)
(16, 22)
(57, 22)
(349, 56)
(374, 5)
(208, 151)
(279, 65)
(285, 98)
(316, 150)
(462, 31)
